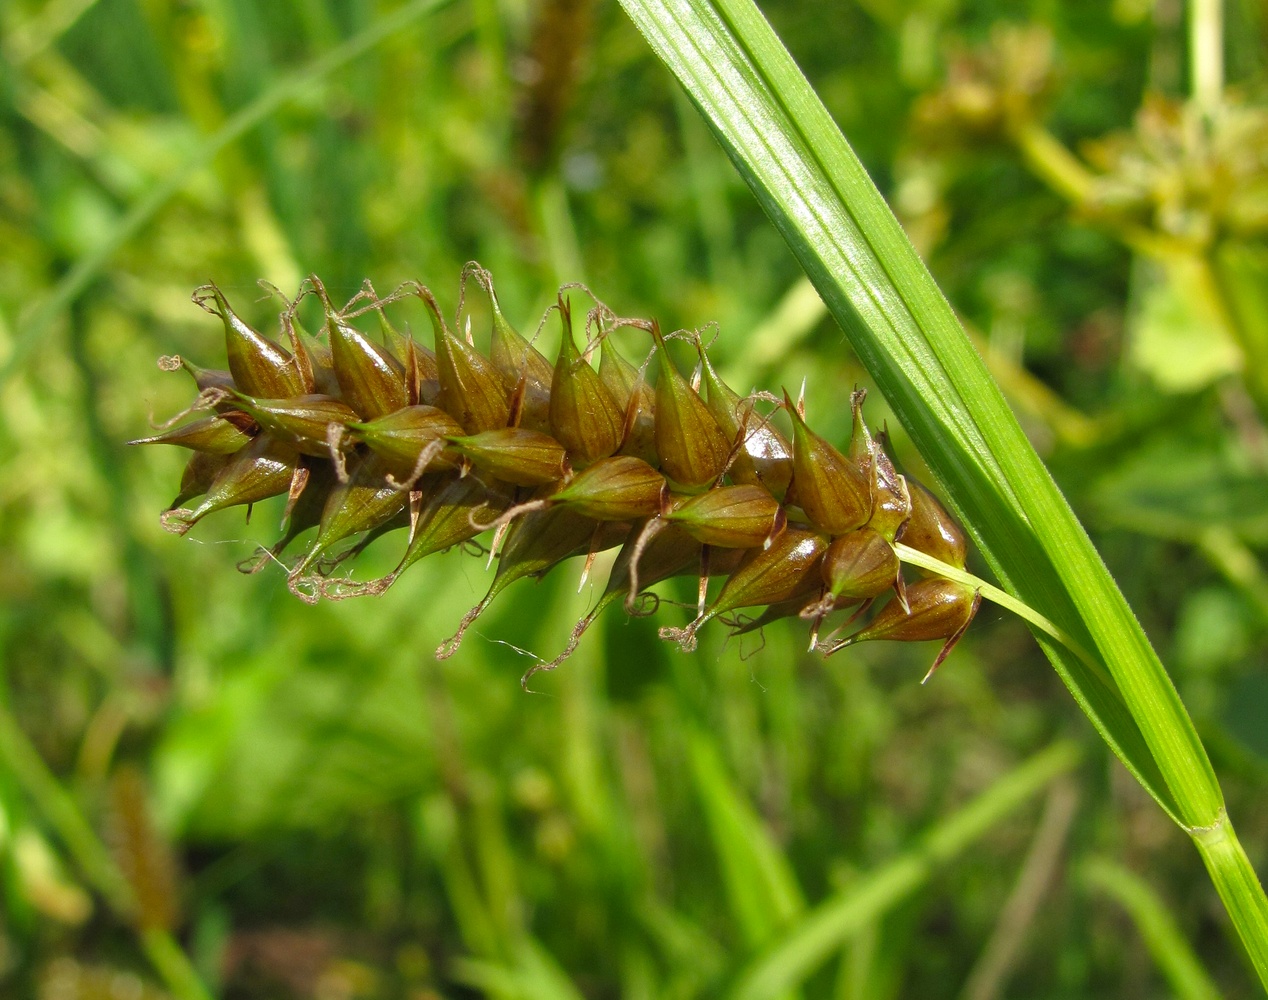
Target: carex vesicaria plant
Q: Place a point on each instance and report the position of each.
(368, 432)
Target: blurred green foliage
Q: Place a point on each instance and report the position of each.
(313, 807)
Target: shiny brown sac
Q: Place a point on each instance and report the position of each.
(305, 514)
(861, 565)
(835, 493)
(622, 488)
(302, 421)
(523, 367)
(635, 398)
(893, 498)
(422, 376)
(453, 512)
(732, 517)
(199, 473)
(371, 380)
(671, 552)
(317, 354)
(931, 530)
(692, 447)
(362, 503)
(764, 456)
(259, 366)
(788, 569)
(262, 469)
(515, 455)
(584, 417)
(472, 390)
(403, 436)
(939, 609)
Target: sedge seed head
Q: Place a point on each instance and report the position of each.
(366, 436)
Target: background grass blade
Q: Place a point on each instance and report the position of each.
(1169, 948)
(790, 152)
(803, 171)
(763, 890)
(828, 926)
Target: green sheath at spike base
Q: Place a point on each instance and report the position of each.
(368, 432)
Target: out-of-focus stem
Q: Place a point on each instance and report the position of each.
(1173, 954)
(1206, 53)
(991, 972)
(62, 814)
(1055, 165)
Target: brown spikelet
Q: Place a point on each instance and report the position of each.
(366, 434)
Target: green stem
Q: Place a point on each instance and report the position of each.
(1238, 887)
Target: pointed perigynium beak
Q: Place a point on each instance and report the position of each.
(261, 470)
(835, 493)
(940, 609)
(584, 417)
(730, 517)
(671, 552)
(204, 378)
(306, 514)
(259, 366)
(536, 542)
(693, 450)
(471, 389)
(320, 362)
(418, 362)
(453, 512)
(519, 361)
(222, 434)
(364, 502)
(786, 570)
(200, 472)
(302, 421)
(892, 509)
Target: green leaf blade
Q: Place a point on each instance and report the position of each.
(802, 171)
(817, 193)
